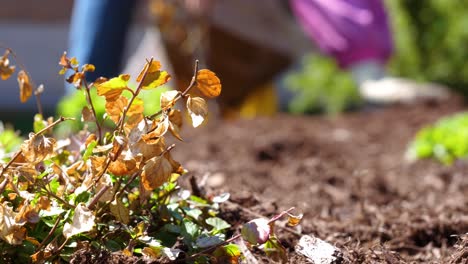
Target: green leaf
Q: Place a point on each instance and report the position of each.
(218, 224)
(274, 250)
(194, 213)
(54, 184)
(229, 253)
(38, 123)
(89, 150)
(82, 197)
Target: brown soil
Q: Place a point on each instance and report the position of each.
(347, 175)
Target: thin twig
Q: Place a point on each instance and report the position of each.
(184, 93)
(56, 122)
(98, 196)
(90, 102)
(51, 232)
(135, 94)
(4, 169)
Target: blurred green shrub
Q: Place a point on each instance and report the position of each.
(10, 140)
(446, 140)
(321, 86)
(430, 40)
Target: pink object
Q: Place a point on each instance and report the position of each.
(352, 31)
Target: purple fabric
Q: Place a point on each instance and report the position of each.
(350, 30)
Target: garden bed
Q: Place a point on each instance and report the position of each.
(348, 176)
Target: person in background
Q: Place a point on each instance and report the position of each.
(357, 34)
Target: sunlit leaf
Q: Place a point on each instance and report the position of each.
(37, 148)
(76, 79)
(156, 172)
(208, 83)
(123, 166)
(275, 251)
(198, 110)
(161, 128)
(167, 98)
(294, 220)
(88, 68)
(83, 221)
(115, 108)
(228, 254)
(155, 79)
(10, 231)
(154, 76)
(155, 66)
(24, 86)
(113, 88)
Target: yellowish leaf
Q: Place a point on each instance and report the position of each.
(208, 83)
(155, 66)
(198, 110)
(294, 220)
(155, 79)
(113, 88)
(88, 68)
(25, 86)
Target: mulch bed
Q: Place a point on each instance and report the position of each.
(349, 177)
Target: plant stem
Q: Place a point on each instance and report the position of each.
(56, 122)
(17, 154)
(97, 196)
(135, 94)
(90, 102)
(51, 232)
(184, 93)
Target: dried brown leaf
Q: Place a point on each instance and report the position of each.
(87, 115)
(161, 128)
(24, 86)
(37, 148)
(168, 99)
(120, 212)
(198, 110)
(156, 172)
(5, 69)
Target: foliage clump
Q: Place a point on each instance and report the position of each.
(321, 86)
(115, 187)
(445, 141)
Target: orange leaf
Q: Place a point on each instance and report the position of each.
(25, 86)
(208, 83)
(5, 69)
(115, 108)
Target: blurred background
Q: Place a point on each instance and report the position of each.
(429, 40)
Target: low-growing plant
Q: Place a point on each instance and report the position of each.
(116, 188)
(446, 140)
(321, 86)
